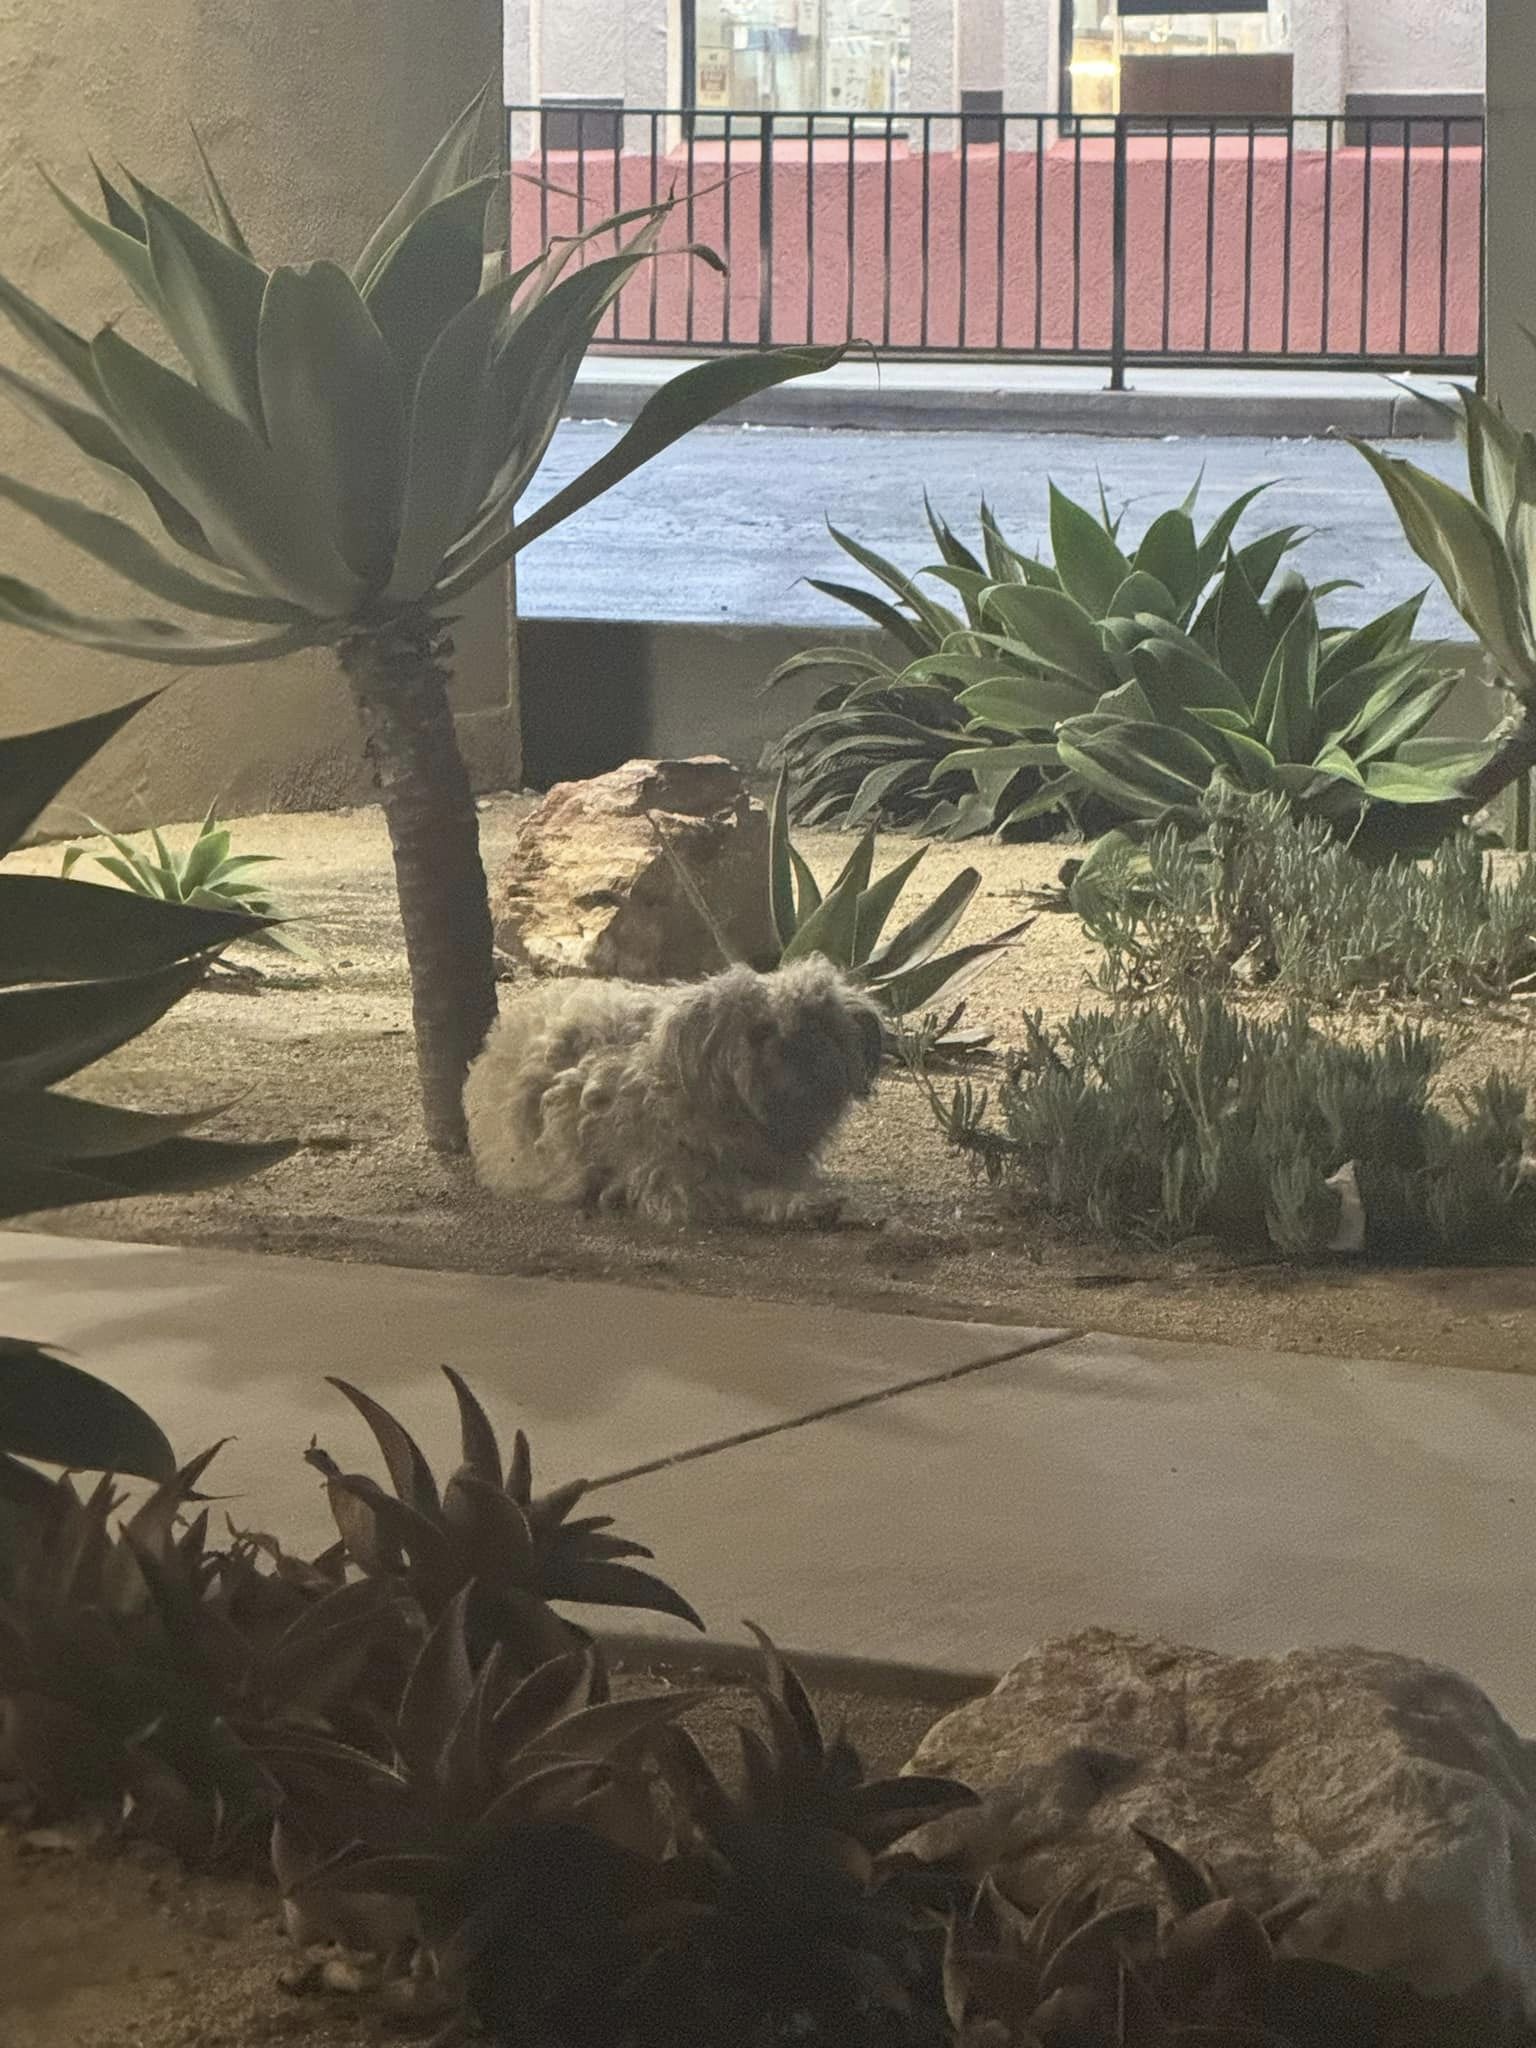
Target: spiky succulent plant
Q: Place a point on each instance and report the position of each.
(490, 1780)
(486, 1527)
(141, 1663)
(1194, 1969)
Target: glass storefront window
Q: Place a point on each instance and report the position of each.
(847, 56)
(1101, 37)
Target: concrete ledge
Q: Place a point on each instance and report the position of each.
(870, 1676)
(1029, 398)
(597, 692)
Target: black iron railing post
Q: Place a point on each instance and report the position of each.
(1119, 238)
(765, 231)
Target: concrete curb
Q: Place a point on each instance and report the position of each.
(929, 1684)
(1011, 408)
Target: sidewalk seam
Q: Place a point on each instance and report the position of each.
(1032, 1349)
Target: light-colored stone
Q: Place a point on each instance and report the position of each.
(589, 887)
(1390, 1791)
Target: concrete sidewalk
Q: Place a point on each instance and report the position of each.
(1044, 398)
(920, 1493)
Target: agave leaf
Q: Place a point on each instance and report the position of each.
(126, 251)
(48, 1033)
(936, 620)
(877, 902)
(1469, 555)
(856, 660)
(59, 1415)
(449, 167)
(994, 767)
(128, 554)
(70, 351)
(48, 1126)
(1142, 593)
(687, 401)
(919, 939)
(556, 1690)
(1052, 628)
(409, 1472)
(1283, 717)
(532, 372)
(1390, 633)
(494, 1538)
(331, 394)
(482, 1452)
(1218, 535)
(832, 927)
(1144, 769)
(1404, 718)
(210, 297)
(781, 879)
(120, 210)
(222, 211)
(937, 983)
(436, 1692)
(35, 766)
(102, 444)
(1088, 561)
(457, 442)
(1170, 555)
(783, 1685)
(235, 487)
(387, 1528)
(598, 1583)
(431, 275)
(141, 639)
(1026, 703)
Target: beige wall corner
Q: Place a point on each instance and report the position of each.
(1511, 244)
(315, 116)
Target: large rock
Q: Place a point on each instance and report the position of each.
(588, 888)
(1389, 1790)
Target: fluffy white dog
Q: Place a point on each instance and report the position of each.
(707, 1100)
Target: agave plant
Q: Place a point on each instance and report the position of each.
(486, 1775)
(210, 874)
(1196, 1967)
(885, 740)
(1481, 547)
(765, 1906)
(140, 1662)
(83, 970)
(1145, 715)
(486, 1528)
(339, 465)
(55, 1414)
(906, 972)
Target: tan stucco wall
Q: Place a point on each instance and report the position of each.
(316, 112)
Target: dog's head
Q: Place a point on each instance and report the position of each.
(792, 1048)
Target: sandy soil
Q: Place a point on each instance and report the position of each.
(323, 1052)
(106, 1948)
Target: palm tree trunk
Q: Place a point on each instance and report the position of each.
(399, 684)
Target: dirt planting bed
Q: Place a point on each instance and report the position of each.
(322, 1050)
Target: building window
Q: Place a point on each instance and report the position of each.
(844, 56)
(1106, 39)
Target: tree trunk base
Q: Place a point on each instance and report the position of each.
(399, 683)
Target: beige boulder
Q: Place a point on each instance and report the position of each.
(589, 889)
(1392, 1792)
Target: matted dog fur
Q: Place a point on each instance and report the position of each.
(709, 1100)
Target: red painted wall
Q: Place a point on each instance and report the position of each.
(1229, 251)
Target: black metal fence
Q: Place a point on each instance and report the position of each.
(1331, 242)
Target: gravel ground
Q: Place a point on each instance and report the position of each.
(323, 1052)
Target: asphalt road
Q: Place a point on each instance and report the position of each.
(728, 524)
